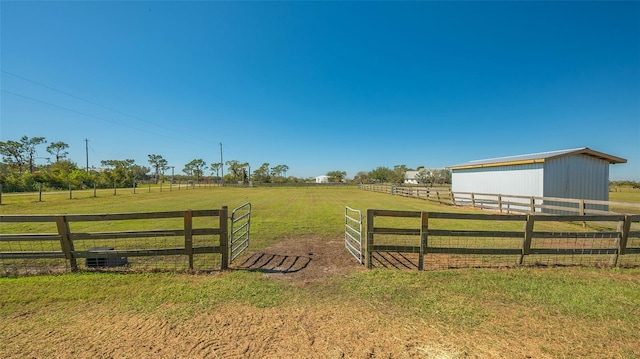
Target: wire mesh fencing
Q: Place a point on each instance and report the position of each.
(429, 240)
(157, 241)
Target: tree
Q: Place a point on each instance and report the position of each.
(139, 172)
(13, 154)
(424, 176)
(279, 171)
(59, 173)
(158, 163)
(119, 172)
(216, 167)
(243, 171)
(381, 174)
(195, 168)
(284, 169)
(441, 176)
(29, 146)
(237, 170)
(337, 176)
(262, 173)
(58, 149)
(20, 152)
(361, 177)
(398, 174)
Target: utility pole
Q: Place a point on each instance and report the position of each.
(86, 149)
(221, 164)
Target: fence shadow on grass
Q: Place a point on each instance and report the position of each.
(395, 260)
(274, 263)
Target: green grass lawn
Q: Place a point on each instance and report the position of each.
(277, 212)
(562, 312)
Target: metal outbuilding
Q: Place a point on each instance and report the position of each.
(579, 173)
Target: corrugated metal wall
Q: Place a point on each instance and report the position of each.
(522, 180)
(578, 176)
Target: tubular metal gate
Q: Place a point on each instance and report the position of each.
(240, 227)
(353, 232)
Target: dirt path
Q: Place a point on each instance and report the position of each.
(301, 261)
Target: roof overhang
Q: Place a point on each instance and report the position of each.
(496, 164)
(537, 158)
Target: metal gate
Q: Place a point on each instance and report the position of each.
(353, 232)
(240, 228)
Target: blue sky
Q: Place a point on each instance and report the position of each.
(322, 86)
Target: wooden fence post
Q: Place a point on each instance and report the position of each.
(224, 237)
(500, 202)
(532, 204)
(526, 242)
(369, 243)
(188, 236)
(424, 229)
(473, 200)
(623, 227)
(65, 241)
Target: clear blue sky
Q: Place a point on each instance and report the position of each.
(322, 86)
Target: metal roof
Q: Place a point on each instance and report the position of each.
(537, 158)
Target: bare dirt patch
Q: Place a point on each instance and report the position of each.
(301, 261)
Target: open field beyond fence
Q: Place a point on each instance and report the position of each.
(328, 307)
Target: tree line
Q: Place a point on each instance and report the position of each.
(19, 171)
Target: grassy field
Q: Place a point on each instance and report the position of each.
(516, 313)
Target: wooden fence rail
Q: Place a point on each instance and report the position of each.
(505, 203)
(69, 239)
(613, 236)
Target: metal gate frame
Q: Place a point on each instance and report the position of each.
(353, 233)
(240, 232)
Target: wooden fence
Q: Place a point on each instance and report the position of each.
(75, 244)
(508, 203)
(610, 240)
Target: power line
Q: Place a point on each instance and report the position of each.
(91, 116)
(88, 115)
(93, 103)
